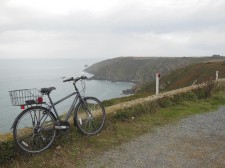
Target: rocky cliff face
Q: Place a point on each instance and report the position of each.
(138, 69)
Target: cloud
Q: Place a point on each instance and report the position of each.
(108, 28)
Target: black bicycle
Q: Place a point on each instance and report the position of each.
(34, 129)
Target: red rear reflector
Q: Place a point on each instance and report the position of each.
(40, 100)
(22, 107)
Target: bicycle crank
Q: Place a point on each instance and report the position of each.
(62, 125)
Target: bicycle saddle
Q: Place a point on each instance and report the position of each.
(47, 90)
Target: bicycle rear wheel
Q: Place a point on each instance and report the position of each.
(34, 129)
(90, 116)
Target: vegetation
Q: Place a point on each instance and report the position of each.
(114, 101)
(72, 149)
(123, 125)
(139, 69)
(192, 74)
(183, 77)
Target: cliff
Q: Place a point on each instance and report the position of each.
(189, 75)
(138, 69)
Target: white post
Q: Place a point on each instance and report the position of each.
(217, 75)
(157, 83)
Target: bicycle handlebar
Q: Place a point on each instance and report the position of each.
(75, 79)
(67, 80)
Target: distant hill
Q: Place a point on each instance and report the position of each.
(192, 74)
(139, 69)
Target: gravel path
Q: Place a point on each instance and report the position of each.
(197, 141)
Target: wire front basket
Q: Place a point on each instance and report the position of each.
(24, 96)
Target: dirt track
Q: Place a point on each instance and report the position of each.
(197, 141)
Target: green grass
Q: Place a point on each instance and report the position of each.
(186, 76)
(70, 150)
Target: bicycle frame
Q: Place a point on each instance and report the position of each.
(52, 106)
(73, 105)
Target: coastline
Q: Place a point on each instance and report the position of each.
(125, 92)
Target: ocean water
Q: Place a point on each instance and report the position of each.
(25, 74)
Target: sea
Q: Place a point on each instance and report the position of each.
(16, 74)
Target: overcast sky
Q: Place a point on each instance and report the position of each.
(111, 28)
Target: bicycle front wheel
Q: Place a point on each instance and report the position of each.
(90, 116)
(34, 129)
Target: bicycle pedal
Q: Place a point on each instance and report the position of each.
(60, 127)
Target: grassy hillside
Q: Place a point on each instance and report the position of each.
(139, 69)
(73, 150)
(192, 74)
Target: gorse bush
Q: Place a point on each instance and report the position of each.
(153, 106)
(165, 102)
(7, 151)
(202, 92)
(206, 89)
(135, 111)
(220, 86)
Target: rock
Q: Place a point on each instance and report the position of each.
(58, 147)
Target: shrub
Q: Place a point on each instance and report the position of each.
(206, 90)
(7, 151)
(135, 111)
(220, 86)
(165, 102)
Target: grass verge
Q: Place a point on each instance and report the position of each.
(71, 150)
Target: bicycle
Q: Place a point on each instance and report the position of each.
(34, 129)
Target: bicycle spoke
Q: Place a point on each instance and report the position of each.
(92, 115)
(26, 138)
(33, 120)
(37, 135)
(94, 124)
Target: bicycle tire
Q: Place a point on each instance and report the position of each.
(86, 124)
(34, 129)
